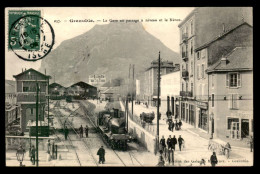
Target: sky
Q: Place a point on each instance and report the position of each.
(166, 31)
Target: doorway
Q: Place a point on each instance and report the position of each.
(244, 128)
(235, 130)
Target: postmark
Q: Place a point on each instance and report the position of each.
(31, 37)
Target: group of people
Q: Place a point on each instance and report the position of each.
(81, 131)
(169, 149)
(177, 125)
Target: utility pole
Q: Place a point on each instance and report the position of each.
(37, 155)
(133, 90)
(158, 99)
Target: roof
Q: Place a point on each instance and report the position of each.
(164, 64)
(55, 84)
(83, 85)
(239, 59)
(31, 69)
(109, 91)
(220, 36)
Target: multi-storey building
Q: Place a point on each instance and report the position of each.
(26, 95)
(170, 88)
(229, 58)
(202, 25)
(151, 80)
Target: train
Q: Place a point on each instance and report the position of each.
(111, 124)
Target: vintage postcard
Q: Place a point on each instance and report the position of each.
(129, 86)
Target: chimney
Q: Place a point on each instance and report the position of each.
(223, 26)
(223, 61)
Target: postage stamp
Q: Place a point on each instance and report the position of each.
(31, 37)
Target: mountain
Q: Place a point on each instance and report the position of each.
(105, 49)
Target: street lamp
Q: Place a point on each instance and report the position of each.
(20, 155)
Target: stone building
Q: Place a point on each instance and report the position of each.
(26, 95)
(201, 26)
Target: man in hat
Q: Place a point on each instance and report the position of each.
(101, 154)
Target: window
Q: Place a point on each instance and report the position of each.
(202, 70)
(31, 110)
(187, 48)
(212, 81)
(187, 85)
(230, 120)
(191, 87)
(191, 47)
(212, 99)
(191, 27)
(233, 101)
(233, 80)
(187, 30)
(198, 55)
(198, 72)
(25, 89)
(191, 68)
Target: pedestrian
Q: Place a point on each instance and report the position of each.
(101, 154)
(251, 142)
(169, 142)
(180, 141)
(33, 155)
(81, 131)
(227, 149)
(48, 146)
(161, 159)
(176, 125)
(66, 132)
(172, 127)
(162, 143)
(174, 141)
(180, 124)
(169, 127)
(86, 131)
(213, 159)
(170, 156)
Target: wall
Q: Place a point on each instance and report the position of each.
(144, 137)
(240, 37)
(221, 109)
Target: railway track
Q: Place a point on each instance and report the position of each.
(131, 154)
(73, 138)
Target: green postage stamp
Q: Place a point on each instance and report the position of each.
(24, 30)
(30, 36)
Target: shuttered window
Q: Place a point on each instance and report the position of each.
(233, 101)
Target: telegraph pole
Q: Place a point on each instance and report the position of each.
(133, 90)
(158, 99)
(37, 155)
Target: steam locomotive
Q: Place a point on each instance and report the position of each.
(111, 124)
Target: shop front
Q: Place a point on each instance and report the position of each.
(203, 115)
(240, 125)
